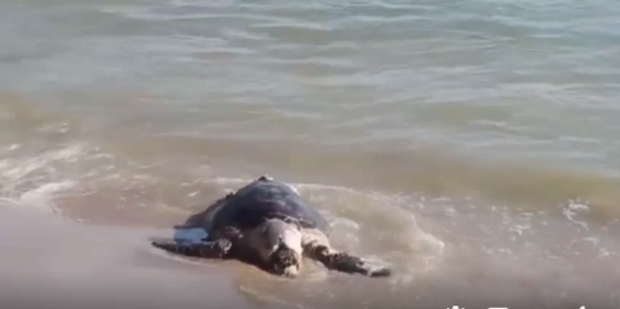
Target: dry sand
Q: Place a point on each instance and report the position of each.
(51, 262)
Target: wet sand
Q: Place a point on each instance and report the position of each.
(52, 262)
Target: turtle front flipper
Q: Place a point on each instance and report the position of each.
(345, 262)
(316, 246)
(216, 249)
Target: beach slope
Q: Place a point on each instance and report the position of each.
(51, 262)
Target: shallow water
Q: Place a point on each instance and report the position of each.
(471, 144)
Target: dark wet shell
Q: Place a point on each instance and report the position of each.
(262, 199)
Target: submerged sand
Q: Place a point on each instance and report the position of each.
(52, 262)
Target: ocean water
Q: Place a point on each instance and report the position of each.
(472, 144)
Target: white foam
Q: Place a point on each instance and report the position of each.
(571, 211)
(33, 181)
(41, 196)
(520, 228)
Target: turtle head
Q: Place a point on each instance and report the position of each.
(279, 246)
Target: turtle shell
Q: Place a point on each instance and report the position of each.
(260, 200)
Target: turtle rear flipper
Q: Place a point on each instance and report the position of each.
(216, 249)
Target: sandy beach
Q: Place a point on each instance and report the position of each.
(52, 262)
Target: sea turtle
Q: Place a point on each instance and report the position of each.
(268, 224)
